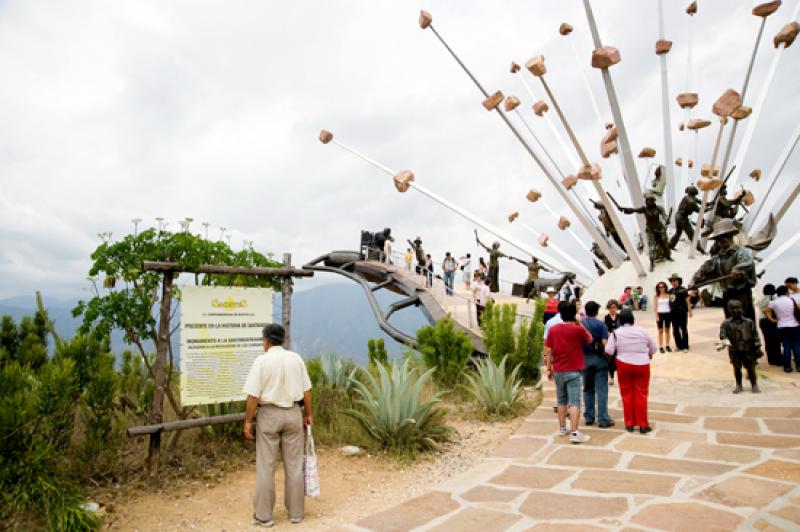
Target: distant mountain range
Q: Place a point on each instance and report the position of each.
(329, 318)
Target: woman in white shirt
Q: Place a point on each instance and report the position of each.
(466, 268)
(663, 316)
(782, 311)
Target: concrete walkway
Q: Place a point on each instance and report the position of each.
(715, 461)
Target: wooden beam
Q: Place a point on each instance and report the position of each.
(226, 270)
(184, 424)
(286, 302)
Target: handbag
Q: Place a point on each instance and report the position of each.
(310, 473)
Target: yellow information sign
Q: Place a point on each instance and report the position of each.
(220, 339)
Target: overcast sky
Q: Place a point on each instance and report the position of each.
(117, 110)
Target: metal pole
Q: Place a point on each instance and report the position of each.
(557, 249)
(666, 119)
(705, 192)
(629, 248)
(631, 178)
(787, 203)
(752, 218)
(593, 232)
(789, 244)
(685, 177)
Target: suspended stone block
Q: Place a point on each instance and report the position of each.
(563, 223)
(611, 134)
(515, 67)
(536, 66)
(707, 184)
(425, 19)
(590, 172)
(493, 101)
(698, 123)
(607, 149)
(609, 125)
(325, 136)
(513, 216)
(756, 174)
(533, 195)
(691, 163)
(605, 56)
(765, 10)
(569, 182)
(540, 108)
(746, 197)
(705, 170)
(687, 100)
(543, 240)
(647, 152)
(663, 47)
(787, 35)
(681, 126)
(679, 161)
(692, 9)
(727, 103)
(402, 180)
(741, 112)
(565, 29)
(511, 103)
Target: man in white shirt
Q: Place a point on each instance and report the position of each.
(278, 386)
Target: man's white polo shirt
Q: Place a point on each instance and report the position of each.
(278, 377)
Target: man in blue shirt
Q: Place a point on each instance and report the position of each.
(595, 374)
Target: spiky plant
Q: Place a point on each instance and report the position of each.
(394, 412)
(494, 390)
(337, 372)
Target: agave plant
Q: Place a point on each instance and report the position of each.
(337, 372)
(492, 389)
(393, 411)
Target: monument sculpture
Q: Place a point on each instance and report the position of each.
(494, 262)
(656, 219)
(419, 253)
(606, 222)
(687, 207)
(533, 275)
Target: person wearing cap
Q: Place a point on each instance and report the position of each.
(680, 310)
(550, 305)
(733, 265)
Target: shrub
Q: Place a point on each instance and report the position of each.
(377, 351)
(498, 330)
(494, 390)
(225, 430)
(445, 350)
(394, 413)
(314, 368)
(523, 347)
(337, 372)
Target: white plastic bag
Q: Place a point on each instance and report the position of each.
(310, 473)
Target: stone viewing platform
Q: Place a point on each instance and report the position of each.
(715, 461)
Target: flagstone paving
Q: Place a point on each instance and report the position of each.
(715, 461)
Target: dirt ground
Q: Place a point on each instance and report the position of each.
(352, 487)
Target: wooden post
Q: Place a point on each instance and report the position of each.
(286, 302)
(162, 344)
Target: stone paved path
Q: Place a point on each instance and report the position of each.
(715, 461)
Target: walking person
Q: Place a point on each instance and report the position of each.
(769, 330)
(482, 268)
(466, 270)
(783, 312)
(663, 316)
(563, 355)
(449, 267)
(680, 310)
(634, 348)
(595, 372)
(612, 323)
(409, 257)
(428, 271)
(550, 305)
(278, 389)
(481, 294)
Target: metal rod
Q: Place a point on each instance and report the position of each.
(687, 138)
(593, 232)
(789, 244)
(666, 119)
(570, 259)
(631, 178)
(752, 218)
(705, 192)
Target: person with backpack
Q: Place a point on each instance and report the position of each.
(449, 266)
(595, 372)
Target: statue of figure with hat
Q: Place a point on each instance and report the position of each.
(656, 228)
(605, 220)
(739, 335)
(416, 245)
(687, 207)
(494, 263)
(732, 266)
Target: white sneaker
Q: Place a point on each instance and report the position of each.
(563, 431)
(579, 437)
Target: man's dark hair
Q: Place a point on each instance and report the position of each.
(627, 288)
(592, 308)
(626, 317)
(769, 289)
(274, 333)
(612, 302)
(561, 306)
(782, 290)
(790, 280)
(569, 312)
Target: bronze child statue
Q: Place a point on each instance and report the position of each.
(738, 333)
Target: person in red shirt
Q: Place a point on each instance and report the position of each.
(563, 355)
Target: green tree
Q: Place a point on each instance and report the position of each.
(523, 346)
(445, 350)
(376, 351)
(497, 323)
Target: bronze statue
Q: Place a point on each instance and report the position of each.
(658, 185)
(533, 275)
(494, 263)
(603, 259)
(738, 333)
(608, 225)
(416, 245)
(730, 265)
(688, 206)
(655, 226)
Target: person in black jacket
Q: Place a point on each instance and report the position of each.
(680, 311)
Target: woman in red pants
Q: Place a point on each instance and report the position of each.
(633, 348)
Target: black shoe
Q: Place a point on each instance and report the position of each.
(629, 429)
(787, 370)
(660, 349)
(669, 349)
(645, 430)
(606, 425)
(589, 422)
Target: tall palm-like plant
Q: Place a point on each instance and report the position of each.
(494, 390)
(394, 412)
